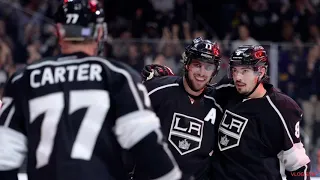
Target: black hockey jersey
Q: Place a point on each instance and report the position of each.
(74, 115)
(254, 134)
(187, 122)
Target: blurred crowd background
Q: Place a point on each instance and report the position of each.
(156, 31)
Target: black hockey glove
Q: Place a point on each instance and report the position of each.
(155, 70)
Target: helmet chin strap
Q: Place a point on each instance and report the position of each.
(260, 80)
(252, 91)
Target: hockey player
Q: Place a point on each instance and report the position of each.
(73, 114)
(260, 126)
(187, 109)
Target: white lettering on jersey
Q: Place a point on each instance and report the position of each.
(211, 116)
(230, 130)
(234, 123)
(185, 133)
(191, 127)
(54, 75)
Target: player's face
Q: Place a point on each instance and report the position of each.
(200, 73)
(244, 78)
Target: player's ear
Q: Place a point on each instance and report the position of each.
(187, 67)
(100, 33)
(60, 32)
(261, 72)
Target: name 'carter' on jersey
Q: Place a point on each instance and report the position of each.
(82, 72)
(187, 122)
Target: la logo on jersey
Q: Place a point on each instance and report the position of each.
(230, 130)
(185, 133)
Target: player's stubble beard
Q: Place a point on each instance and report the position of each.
(191, 83)
(248, 88)
(241, 90)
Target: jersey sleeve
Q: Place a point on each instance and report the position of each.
(151, 87)
(133, 109)
(292, 154)
(138, 129)
(157, 89)
(13, 141)
(133, 94)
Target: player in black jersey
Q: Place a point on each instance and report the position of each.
(74, 114)
(187, 109)
(260, 126)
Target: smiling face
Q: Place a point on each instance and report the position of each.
(199, 74)
(245, 78)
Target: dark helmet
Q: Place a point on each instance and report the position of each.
(249, 55)
(202, 50)
(80, 19)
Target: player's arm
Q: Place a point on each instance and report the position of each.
(150, 76)
(13, 141)
(293, 154)
(157, 92)
(156, 100)
(138, 130)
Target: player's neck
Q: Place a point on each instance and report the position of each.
(189, 90)
(259, 92)
(69, 48)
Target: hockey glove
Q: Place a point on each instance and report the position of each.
(155, 70)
